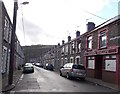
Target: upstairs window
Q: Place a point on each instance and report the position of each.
(62, 51)
(6, 28)
(72, 48)
(103, 39)
(66, 49)
(78, 46)
(10, 32)
(89, 42)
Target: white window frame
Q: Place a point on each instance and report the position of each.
(103, 37)
(62, 61)
(110, 65)
(66, 49)
(91, 64)
(89, 42)
(10, 34)
(6, 29)
(79, 47)
(4, 59)
(63, 49)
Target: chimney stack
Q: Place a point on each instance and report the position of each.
(77, 34)
(63, 42)
(69, 38)
(90, 26)
(58, 44)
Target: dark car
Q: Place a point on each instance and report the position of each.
(71, 70)
(28, 68)
(49, 66)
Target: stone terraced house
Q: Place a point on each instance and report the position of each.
(5, 44)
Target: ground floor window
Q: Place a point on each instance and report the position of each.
(62, 62)
(77, 60)
(53, 61)
(71, 60)
(66, 60)
(8, 61)
(110, 63)
(91, 62)
(4, 60)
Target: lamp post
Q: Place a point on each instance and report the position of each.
(12, 46)
(24, 3)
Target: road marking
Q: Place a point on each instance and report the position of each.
(53, 90)
(42, 69)
(21, 77)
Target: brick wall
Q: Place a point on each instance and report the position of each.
(114, 34)
(0, 45)
(83, 48)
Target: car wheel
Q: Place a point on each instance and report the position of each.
(61, 73)
(83, 79)
(68, 77)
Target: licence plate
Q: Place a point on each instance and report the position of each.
(79, 74)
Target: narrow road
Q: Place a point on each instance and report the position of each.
(49, 81)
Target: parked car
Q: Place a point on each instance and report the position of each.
(71, 70)
(39, 65)
(49, 66)
(28, 68)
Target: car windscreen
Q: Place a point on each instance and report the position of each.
(78, 67)
(28, 64)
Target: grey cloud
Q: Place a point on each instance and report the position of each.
(33, 31)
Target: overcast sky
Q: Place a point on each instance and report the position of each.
(51, 21)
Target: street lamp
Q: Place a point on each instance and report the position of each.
(24, 3)
(12, 46)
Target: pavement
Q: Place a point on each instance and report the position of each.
(100, 82)
(16, 76)
(18, 73)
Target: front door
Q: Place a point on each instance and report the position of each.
(98, 66)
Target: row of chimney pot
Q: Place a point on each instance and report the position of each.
(90, 27)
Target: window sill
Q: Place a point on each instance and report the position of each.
(89, 49)
(102, 48)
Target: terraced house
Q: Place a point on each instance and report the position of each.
(101, 48)
(5, 43)
(98, 50)
(70, 51)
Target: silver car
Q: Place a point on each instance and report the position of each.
(28, 67)
(73, 70)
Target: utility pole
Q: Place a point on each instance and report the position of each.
(12, 46)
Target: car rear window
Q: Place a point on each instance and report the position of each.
(78, 67)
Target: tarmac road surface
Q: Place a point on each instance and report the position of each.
(49, 81)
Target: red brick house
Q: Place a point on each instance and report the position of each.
(101, 48)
